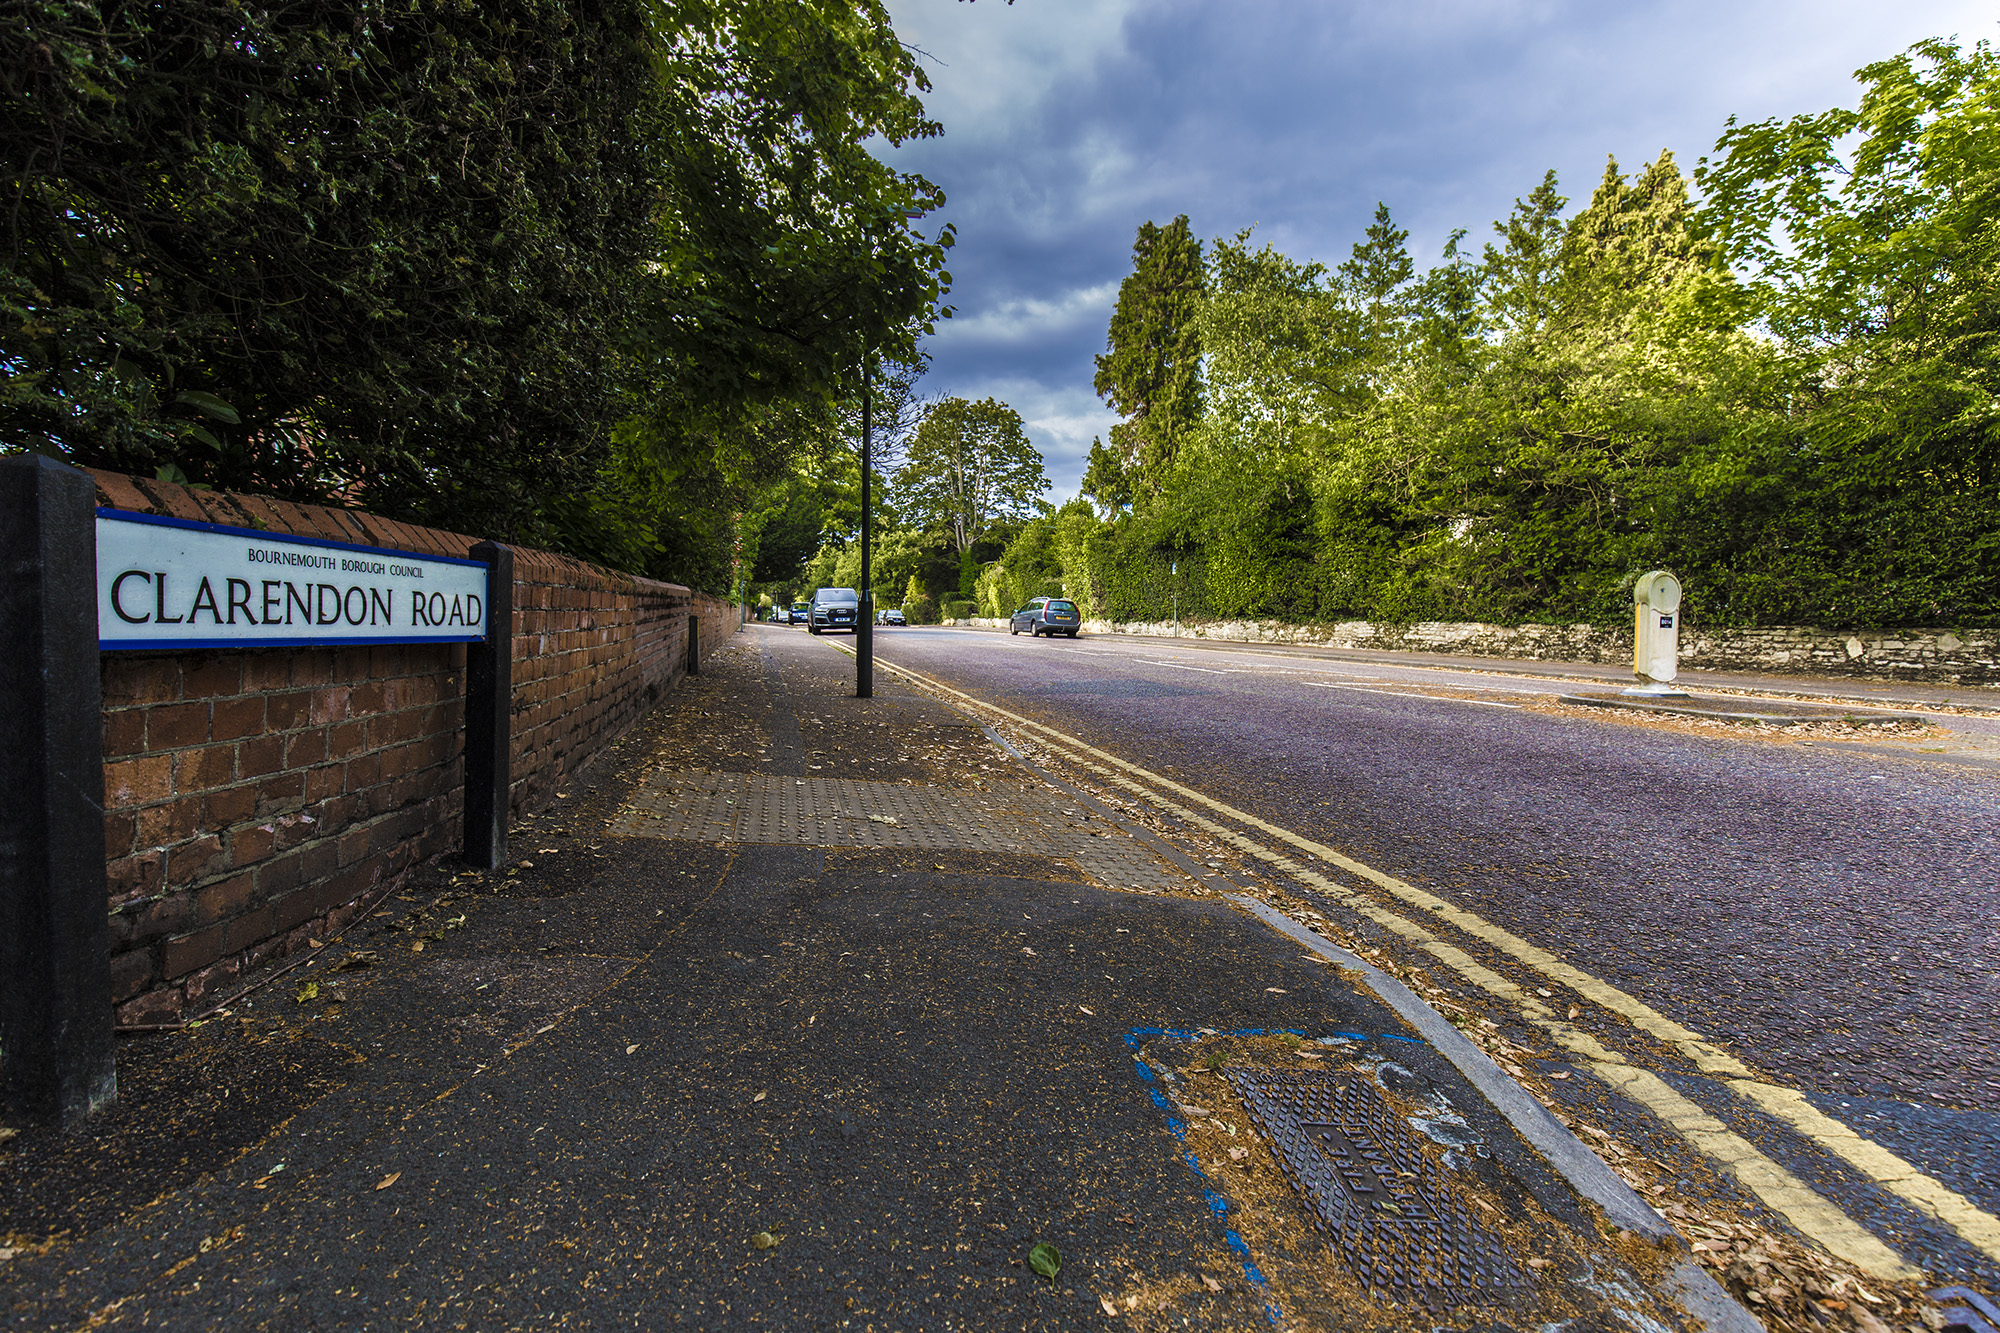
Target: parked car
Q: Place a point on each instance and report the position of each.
(835, 608)
(802, 613)
(894, 616)
(779, 615)
(1047, 615)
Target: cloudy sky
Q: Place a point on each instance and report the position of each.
(1068, 123)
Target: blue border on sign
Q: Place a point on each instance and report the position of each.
(127, 516)
(182, 645)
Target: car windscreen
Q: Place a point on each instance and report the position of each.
(837, 596)
(1060, 605)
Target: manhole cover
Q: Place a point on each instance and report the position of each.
(1386, 1207)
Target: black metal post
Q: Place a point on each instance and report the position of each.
(489, 708)
(694, 642)
(864, 624)
(56, 1057)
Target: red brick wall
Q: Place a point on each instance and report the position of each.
(257, 798)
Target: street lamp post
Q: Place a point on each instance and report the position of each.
(864, 629)
(864, 624)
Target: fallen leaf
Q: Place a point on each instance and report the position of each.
(764, 1240)
(882, 819)
(1210, 1283)
(1046, 1259)
(1558, 1075)
(758, 1098)
(1544, 992)
(312, 943)
(630, 1049)
(1030, 952)
(1091, 1012)
(1238, 1154)
(1110, 1307)
(1574, 1011)
(418, 947)
(1273, 990)
(309, 991)
(388, 1180)
(1539, 1264)
(354, 962)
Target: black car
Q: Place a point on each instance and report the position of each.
(835, 608)
(1047, 615)
(802, 612)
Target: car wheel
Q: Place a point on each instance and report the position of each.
(1013, 629)
(1072, 634)
(813, 628)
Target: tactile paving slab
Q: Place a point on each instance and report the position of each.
(1385, 1207)
(843, 812)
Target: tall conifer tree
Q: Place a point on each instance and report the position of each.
(1151, 374)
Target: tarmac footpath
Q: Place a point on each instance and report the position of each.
(803, 1011)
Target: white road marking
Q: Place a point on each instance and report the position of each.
(1406, 694)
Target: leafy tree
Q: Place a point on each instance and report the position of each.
(1151, 372)
(968, 465)
(549, 271)
(1881, 262)
(320, 250)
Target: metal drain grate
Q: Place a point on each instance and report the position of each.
(1385, 1206)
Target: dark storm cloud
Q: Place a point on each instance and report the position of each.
(1069, 125)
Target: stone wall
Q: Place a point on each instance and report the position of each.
(257, 798)
(1929, 656)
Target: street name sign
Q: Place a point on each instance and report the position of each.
(174, 583)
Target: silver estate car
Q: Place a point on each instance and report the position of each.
(1047, 615)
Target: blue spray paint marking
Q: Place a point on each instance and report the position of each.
(1272, 1310)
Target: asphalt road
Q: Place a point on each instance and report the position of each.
(639, 1081)
(1825, 913)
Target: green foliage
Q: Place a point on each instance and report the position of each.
(591, 276)
(919, 607)
(1787, 393)
(1106, 483)
(325, 251)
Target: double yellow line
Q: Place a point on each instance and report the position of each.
(1779, 1189)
